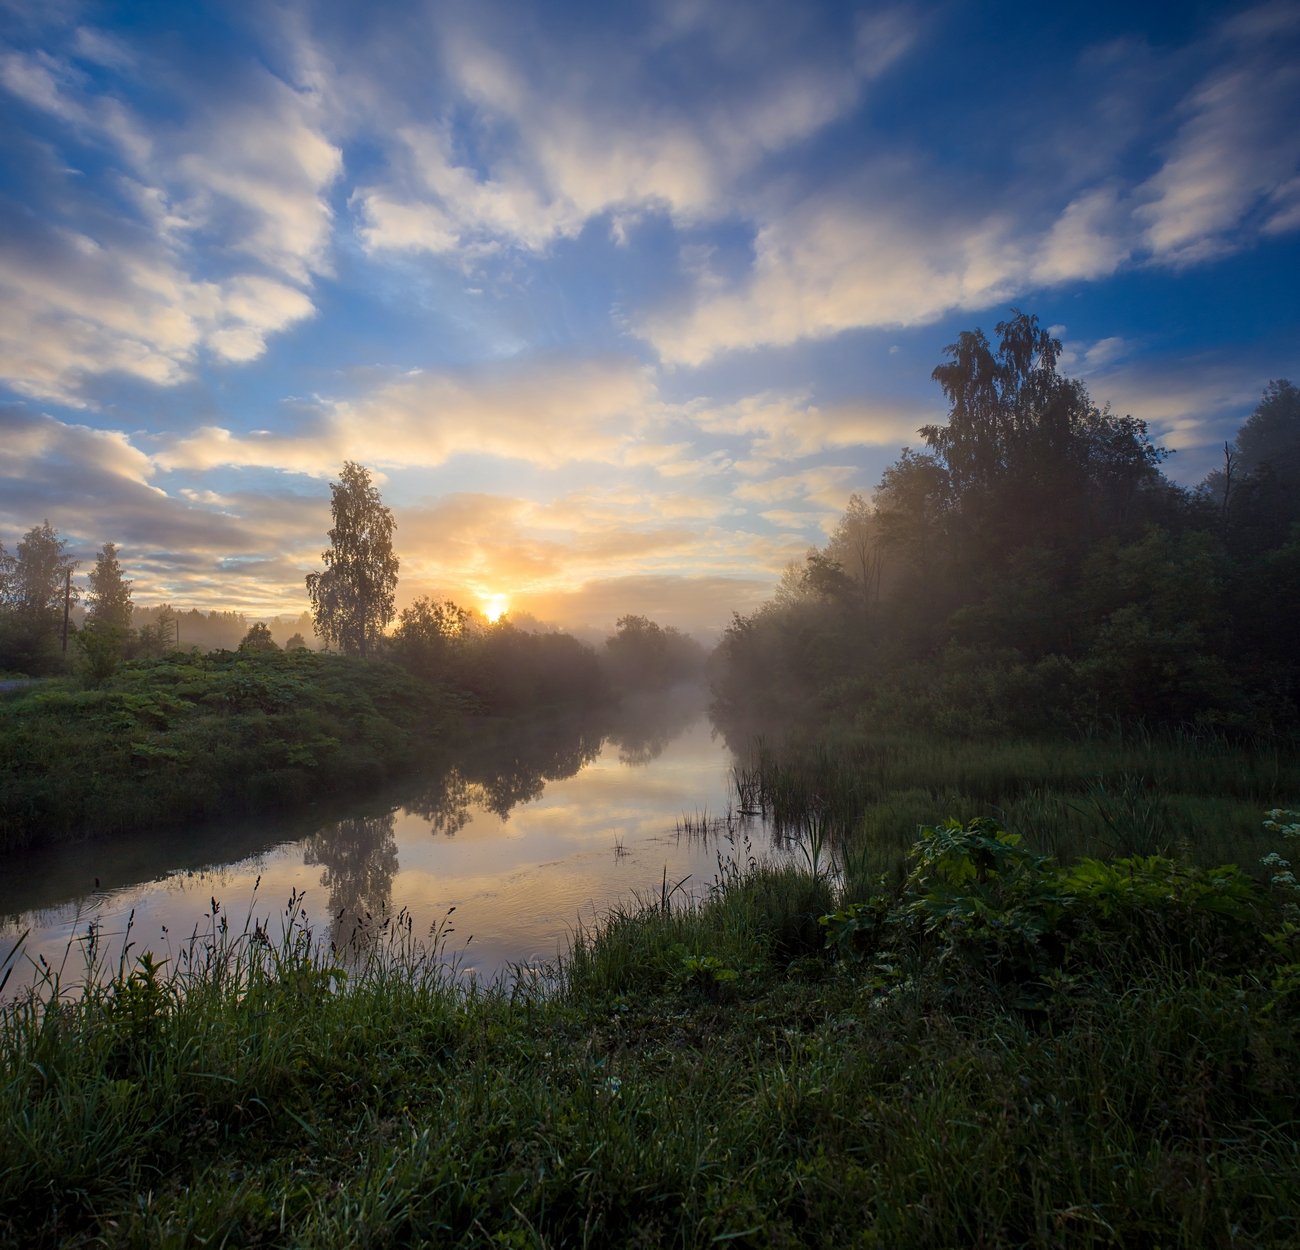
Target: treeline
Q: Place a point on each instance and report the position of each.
(1033, 569)
(51, 622)
(503, 667)
(510, 669)
(36, 595)
(219, 630)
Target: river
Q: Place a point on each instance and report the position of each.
(527, 831)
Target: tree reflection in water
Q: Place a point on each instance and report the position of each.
(501, 766)
(359, 856)
(645, 724)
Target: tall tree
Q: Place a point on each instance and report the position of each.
(34, 595)
(352, 600)
(109, 600)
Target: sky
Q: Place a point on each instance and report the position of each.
(619, 303)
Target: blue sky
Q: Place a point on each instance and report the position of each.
(619, 302)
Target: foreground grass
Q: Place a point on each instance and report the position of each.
(1064, 1064)
(189, 737)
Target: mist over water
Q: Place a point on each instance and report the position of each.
(527, 830)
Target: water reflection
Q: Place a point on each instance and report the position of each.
(527, 830)
(500, 767)
(648, 723)
(359, 856)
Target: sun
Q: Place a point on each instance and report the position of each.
(495, 607)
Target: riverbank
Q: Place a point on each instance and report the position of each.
(1196, 795)
(190, 737)
(991, 1052)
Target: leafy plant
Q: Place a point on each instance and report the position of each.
(977, 906)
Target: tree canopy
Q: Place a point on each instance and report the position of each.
(108, 602)
(1033, 569)
(33, 582)
(352, 601)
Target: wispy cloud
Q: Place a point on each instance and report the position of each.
(562, 134)
(902, 242)
(1231, 169)
(543, 412)
(202, 235)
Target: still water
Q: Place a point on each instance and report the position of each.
(526, 830)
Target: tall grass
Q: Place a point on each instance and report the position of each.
(1198, 796)
(692, 1074)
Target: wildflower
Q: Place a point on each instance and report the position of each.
(613, 1085)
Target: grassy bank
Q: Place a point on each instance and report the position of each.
(1197, 796)
(994, 1051)
(189, 737)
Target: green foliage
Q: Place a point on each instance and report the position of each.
(706, 974)
(33, 584)
(1033, 571)
(431, 638)
(975, 903)
(102, 646)
(352, 600)
(258, 638)
(189, 736)
(108, 602)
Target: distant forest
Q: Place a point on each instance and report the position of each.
(1031, 569)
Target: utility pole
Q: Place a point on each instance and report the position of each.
(67, 603)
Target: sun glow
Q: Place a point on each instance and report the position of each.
(495, 607)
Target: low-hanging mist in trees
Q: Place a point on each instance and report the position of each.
(1032, 569)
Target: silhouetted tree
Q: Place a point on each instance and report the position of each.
(1033, 569)
(352, 600)
(430, 637)
(644, 655)
(258, 638)
(856, 547)
(1271, 434)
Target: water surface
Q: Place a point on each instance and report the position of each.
(526, 831)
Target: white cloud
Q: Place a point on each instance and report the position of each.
(1087, 241)
(827, 486)
(1237, 148)
(791, 426)
(561, 136)
(840, 261)
(72, 309)
(204, 235)
(259, 171)
(896, 244)
(545, 413)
